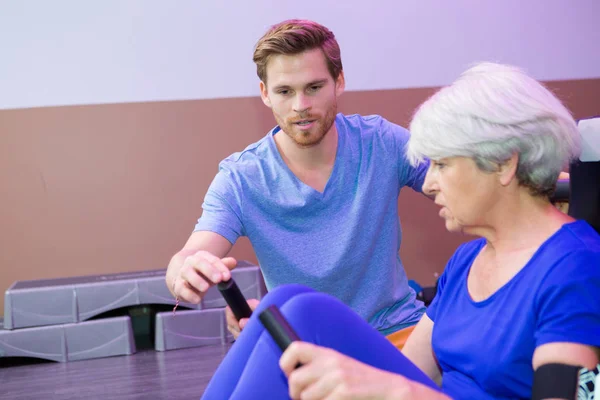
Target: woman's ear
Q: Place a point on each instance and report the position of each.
(508, 170)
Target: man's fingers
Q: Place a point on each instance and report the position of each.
(195, 280)
(232, 323)
(188, 295)
(229, 316)
(253, 303)
(213, 267)
(229, 262)
(200, 265)
(202, 270)
(234, 332)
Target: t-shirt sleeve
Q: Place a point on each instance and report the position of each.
(568, 303)
(408, 175)
(454, 273)
(222, 207)
(432, 309)
(441, 284)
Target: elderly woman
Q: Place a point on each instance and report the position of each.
(522, 295)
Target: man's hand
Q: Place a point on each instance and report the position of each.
(198, 272)
(233, 325)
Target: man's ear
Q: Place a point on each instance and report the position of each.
(508, 170)
(340, 84)
(264, 94)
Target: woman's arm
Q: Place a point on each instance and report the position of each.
(566, 353)
(558, 366)
(418, 349)
(325, 373)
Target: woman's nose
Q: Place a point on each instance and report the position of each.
(429, 184)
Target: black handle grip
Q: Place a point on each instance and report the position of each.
(278, 327)
(235, 299)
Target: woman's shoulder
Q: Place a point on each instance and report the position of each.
(581, 236)
(576, 245)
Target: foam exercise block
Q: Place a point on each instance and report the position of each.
(70, 342)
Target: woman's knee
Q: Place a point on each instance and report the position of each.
(313, 306)
(282, 294)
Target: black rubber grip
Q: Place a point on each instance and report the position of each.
(555, 381)
(279, 328)
(235, 299)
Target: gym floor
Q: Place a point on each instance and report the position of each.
(147, 374)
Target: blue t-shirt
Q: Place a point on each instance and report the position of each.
(343, 241)
(485, 349)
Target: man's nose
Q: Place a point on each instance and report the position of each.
(302, 103)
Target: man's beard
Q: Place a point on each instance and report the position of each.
(315, 134)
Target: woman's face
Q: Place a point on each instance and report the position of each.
(466, 193)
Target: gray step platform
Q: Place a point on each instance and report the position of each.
(70, 342)
(71, 300)
(190, 328)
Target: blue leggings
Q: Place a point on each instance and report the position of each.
(250, 370)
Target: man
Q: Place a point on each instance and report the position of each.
(317, 196)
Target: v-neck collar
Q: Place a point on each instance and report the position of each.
(334, 171)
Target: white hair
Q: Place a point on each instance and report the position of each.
(491, 112)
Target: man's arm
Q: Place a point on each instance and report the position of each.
(200, 264)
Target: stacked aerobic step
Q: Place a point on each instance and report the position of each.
(61, 319)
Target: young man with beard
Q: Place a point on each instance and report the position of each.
(317, 196)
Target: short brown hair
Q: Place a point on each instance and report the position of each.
(293, 37)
